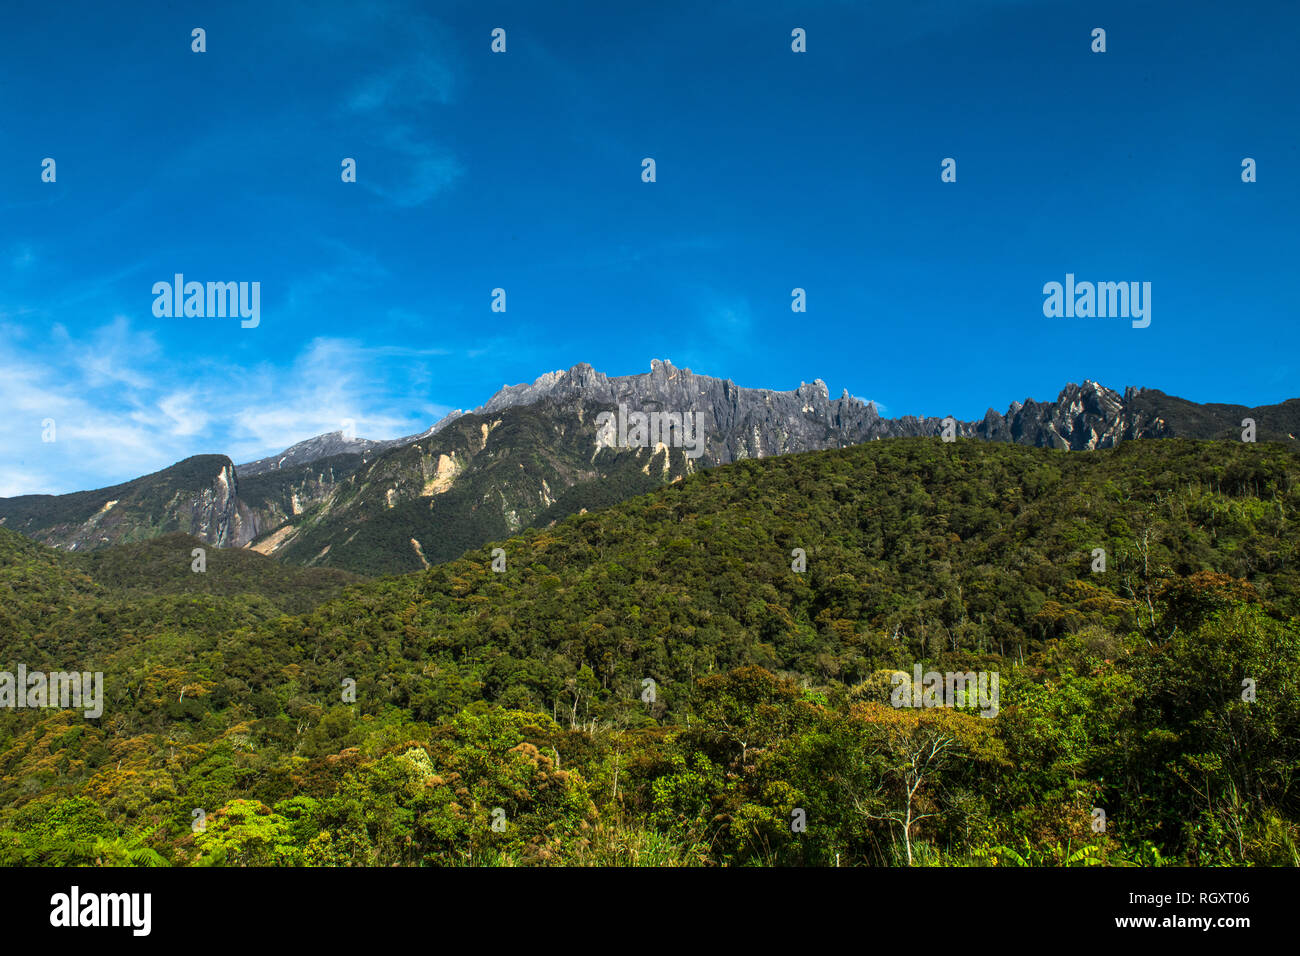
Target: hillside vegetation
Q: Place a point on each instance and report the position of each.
(655, 683)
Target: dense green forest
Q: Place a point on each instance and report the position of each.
(702, 675)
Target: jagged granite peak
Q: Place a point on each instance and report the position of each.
(1083, 417)
(739, 422)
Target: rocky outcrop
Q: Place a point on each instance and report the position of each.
(754, 422)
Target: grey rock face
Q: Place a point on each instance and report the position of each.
(739, 422)
(1083, 417)
(754, 423)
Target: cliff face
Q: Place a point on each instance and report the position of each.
(481, 478)
(215, 513)
(739, 422)
(753, 423)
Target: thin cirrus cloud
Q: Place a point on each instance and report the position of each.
(421, 80)
(390, 108)
(120, 409)
(413, 170)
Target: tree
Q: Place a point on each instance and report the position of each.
(247, 833)
(901, 758)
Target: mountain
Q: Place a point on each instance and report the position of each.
(535, 453)
(197, 496)
(756, 423)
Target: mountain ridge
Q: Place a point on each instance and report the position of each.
(1089, 399)
(532, 454)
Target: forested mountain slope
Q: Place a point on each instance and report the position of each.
(655, 682)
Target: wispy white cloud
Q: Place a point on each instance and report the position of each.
(122, 408)
(111, 354)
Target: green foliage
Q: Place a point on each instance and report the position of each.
(1164, 690)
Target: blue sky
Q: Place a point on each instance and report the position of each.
(522, 170)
